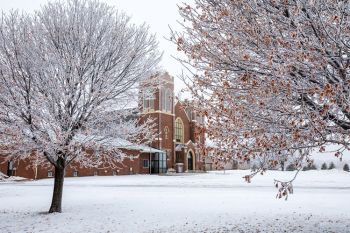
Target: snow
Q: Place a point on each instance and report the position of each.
(5, 178)
(116, 142)
(210, 202)
(328, 157)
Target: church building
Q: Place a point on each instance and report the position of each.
(178, 147)
(180, 131)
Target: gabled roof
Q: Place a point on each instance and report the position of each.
(179, 147)
(190, 142)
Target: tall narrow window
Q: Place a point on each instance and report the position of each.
(168, 100)
(163, 98)
(189, 113)
(179, 130)
(200, 119)
(148, 100)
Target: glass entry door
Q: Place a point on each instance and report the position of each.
(158, 163)
(10, 168)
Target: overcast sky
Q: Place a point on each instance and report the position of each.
(158, 14)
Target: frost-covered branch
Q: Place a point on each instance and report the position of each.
(270, 76)
(64, 71)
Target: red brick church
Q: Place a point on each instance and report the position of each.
(178, 146)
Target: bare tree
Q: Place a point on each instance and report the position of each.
(273, 76)
(63, 72)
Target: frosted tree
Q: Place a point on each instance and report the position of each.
(273, 76)
(67, 72)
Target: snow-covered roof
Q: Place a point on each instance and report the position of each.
(117, 143)
(103, 140)
(146, 149)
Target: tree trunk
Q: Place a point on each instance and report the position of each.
(56, 204)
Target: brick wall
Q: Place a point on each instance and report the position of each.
(134, 165)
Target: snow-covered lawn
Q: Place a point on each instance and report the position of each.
(212, 202)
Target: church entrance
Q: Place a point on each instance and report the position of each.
(158, 163)
(190, 161)
(10, 170)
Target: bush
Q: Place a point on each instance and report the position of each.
(324, 166)
(290, 167)
(254, 168)
(331, 166)
(346, 167)
(309, 167)
(313, 167)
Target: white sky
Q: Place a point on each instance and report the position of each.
(158, 14)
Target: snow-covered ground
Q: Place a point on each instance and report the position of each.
(328, 158)
(5, 178)
(212, 202)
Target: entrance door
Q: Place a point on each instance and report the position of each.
(10, 168)
(158, 163)
(190, 161)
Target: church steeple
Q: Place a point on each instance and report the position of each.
(157, 102)
(158, 94)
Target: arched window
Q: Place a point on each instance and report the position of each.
(179, 130)
(148, 100)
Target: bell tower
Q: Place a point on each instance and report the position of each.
(157, 102)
